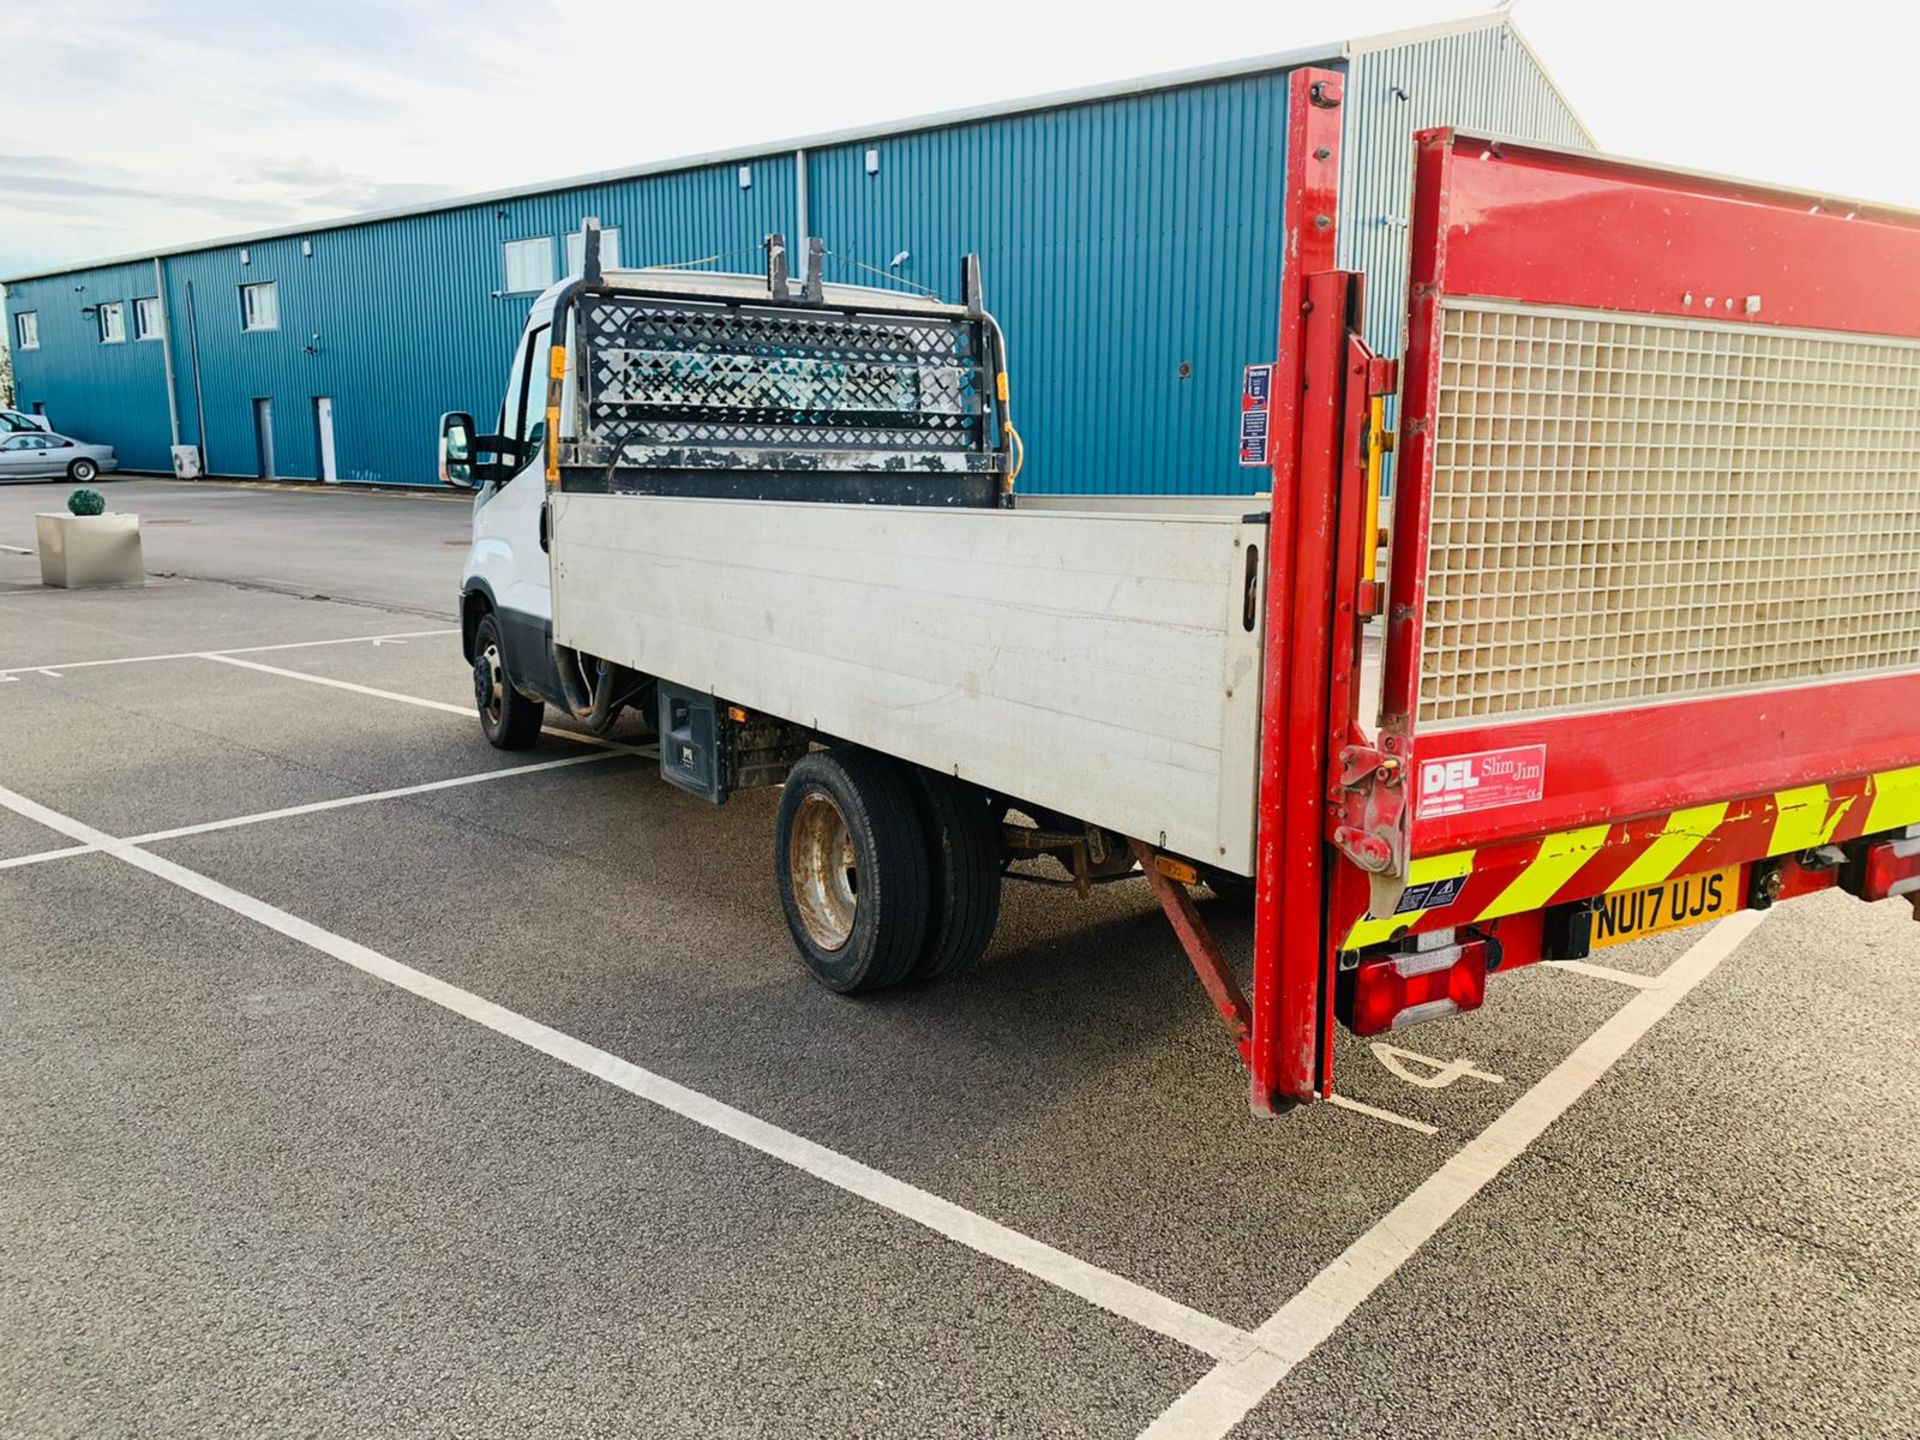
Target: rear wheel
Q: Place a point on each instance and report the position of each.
(1234, 892)
(959, 825)
(509, 719)
(851, 869)
(82, 470)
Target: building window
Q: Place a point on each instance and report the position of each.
(259, 307)
(26, 329)
(529, 264)
(113, 323)
(146, 319)
(577, 251)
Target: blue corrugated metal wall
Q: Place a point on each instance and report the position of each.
(394, 321)
(1486, 81)
(397, 322)
(1119, 242)
(1123, 240)
(111, 393)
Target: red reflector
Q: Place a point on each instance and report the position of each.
(1892, 868)
(1401, 990)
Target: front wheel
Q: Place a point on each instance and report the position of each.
(82, 470)
(852, 869)
(509, 719)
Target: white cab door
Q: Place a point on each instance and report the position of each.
(507, 553)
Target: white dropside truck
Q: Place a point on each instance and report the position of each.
(775, 519)
(1649, 631)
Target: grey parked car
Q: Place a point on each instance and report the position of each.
(41, 456)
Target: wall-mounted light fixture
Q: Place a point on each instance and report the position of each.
(873, 162)
(306, 248)
(245, 258)
(746, 177)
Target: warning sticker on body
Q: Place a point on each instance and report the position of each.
(1430, 894)
(1256, 397)
(1482, 781)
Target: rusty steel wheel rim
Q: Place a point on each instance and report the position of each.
(490, 684)
(822, 871)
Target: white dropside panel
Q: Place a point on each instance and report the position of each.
(1095, 664)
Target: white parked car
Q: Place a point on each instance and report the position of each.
(12, 422)
(42, 455)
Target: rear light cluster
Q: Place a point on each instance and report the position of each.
(1892, 867)
(1444, 972)
(1439, 974)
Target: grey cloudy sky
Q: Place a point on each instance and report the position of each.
(135, 124)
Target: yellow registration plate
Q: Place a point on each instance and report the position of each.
(1670, 905)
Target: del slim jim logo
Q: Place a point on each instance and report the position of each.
(1461, 783)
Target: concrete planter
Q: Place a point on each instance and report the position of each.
(77, 550)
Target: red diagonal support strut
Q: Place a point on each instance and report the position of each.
(1202, 953)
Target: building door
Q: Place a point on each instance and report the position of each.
(263, 436)
(323, 432)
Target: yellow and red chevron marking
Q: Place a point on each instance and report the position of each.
(1514, 877)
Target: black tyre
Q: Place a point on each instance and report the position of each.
(509, 719)
(852, 870)
(959, 825)
(82, 470)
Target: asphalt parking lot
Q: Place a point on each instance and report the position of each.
(363, 1080)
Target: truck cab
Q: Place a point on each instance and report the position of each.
(507, 574)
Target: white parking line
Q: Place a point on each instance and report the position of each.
(226, 658)
(1606, 972)
(328, 680)
(1113, 1293)
(1222, 1398)
(44, 855)
(314, 807)
(233, 657)
(56, 670)
(399, 792)
(1360, 1107)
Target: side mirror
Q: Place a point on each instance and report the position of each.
(456, 450)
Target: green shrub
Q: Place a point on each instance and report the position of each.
(87, 502)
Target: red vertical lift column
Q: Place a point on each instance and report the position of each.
(1292, 999)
